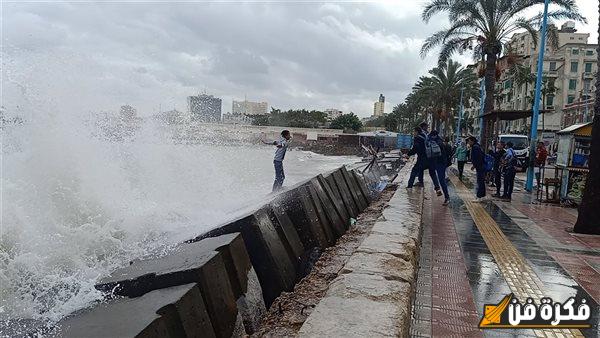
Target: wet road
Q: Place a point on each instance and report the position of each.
(461, 269)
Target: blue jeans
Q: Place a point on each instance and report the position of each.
(509, 182)
(279, 175)
(440, 169)
(480, 182)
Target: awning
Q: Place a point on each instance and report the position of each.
(580, 129)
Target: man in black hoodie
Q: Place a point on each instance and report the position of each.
(418, 148)
(477, 158)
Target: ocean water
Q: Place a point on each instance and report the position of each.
(77, 203)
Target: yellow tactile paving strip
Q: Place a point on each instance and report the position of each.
(519, 276)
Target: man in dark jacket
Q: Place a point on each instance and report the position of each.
(477, 158)
(423, 163)
(498, 154)
(440, 163)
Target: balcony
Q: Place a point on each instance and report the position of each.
(588, 75)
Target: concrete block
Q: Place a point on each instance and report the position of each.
(397, 245)
(383, 264)
(243, 278)
(359, 199)
(320, 210)
(335, 221)
(171, 312)
(299, 206)
(361, 305)
(362, 186)
(187, 263)
(287, 232)
(336, 200)
(342, 187)
(275, 269)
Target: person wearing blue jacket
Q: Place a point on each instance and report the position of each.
(477, 158)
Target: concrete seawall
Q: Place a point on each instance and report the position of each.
(372, 295)
(220, 283)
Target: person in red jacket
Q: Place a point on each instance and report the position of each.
(541, 154)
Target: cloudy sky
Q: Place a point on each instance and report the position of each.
(89, 56)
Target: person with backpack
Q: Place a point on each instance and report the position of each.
(509, 162)
(438, 154)
(498, 154)
(423, 161)
(477, 158)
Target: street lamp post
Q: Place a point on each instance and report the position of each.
(481, 107)
(536, 102)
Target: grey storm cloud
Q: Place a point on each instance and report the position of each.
(311, 55)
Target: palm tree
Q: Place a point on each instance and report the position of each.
(441, 90)
(485, 26)
(589, 213)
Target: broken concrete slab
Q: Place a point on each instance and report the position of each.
(393, 244)
(187, 263)
(171, 312)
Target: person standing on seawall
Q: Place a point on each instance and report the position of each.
(418, 149)
(461, 158)
(477, 158)
(282, 145)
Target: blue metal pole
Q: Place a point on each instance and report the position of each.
(536, 102)
(460, 116)
(481, 107)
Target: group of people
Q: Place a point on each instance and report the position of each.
(433, 154)
(436, 154)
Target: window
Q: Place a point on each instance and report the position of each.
(575, 51)
(572, 84)
(550, 101)
(507, 84)
(552, 66)
(570, 99)
(589, 52)
(588, 67)
(574, 66)
(571, 38)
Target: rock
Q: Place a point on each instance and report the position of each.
(383, 264)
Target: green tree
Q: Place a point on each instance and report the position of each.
(346, 122)
(441, 91)
(376, 122)
(485, 26)
(589, 213)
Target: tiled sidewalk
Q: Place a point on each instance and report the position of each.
(459, 273)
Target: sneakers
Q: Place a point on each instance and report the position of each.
(438, 192)
(418, 184)
(446, 201)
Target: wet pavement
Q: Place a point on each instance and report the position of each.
(476, 253)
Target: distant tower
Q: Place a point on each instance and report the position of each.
(205, 108)
(379, 106)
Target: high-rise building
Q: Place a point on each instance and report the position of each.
(249, 108)
(379, 106)
(204, 108)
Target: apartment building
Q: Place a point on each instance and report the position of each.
(568, 79)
